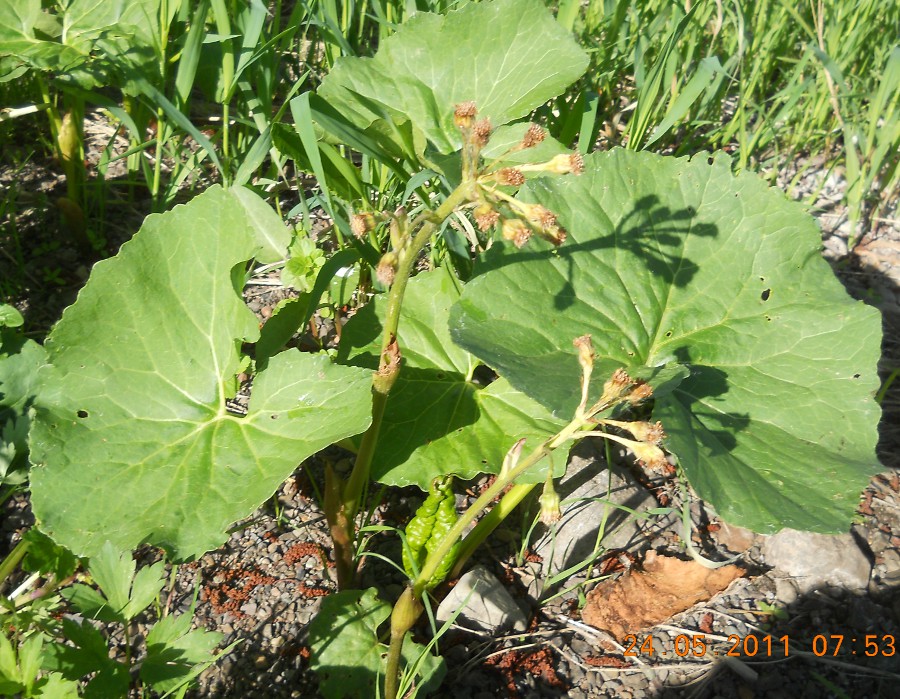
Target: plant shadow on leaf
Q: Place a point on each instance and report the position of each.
(703, 384)
(668, 227)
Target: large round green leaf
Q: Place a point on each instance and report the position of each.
(675, 261)
(133, 439)
(438, 420)
(508, 56)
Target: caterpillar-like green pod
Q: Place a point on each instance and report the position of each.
(421, 528)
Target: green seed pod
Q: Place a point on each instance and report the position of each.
(432, 521)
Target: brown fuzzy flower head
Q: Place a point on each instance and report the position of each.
(640, 392)
(651, 433)
(481, 132)
(533, 136)
(540, 215)
(464, 115)
(576, 162)
(515, 230)
(486, 217)
(509, 176)
(387, 268)
(361, 224)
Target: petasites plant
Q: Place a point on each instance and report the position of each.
(696, 295)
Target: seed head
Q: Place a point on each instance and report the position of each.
(562, 164)
(509, 176)
(555, 234)
(585, 351)
(361, 224)
(652, 456)
(617, 384)
(387, 268)
(533, 136)
(515, 230)
(481, 132)
(486, 217)
(464, 115)
(540, 215)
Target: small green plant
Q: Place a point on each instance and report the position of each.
(42, 656)
(691, 294)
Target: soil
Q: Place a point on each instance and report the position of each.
(266, 583)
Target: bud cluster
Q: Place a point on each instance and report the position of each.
(518, 221)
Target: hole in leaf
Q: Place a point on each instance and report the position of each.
(668, 333)
(856, 376)
(273, 416)
(82, 413)
(766, 294)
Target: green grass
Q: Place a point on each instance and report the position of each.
(770, 81)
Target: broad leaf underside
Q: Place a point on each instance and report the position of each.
(671, 261)
(133, 441)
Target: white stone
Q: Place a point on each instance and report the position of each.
(818, 560)
(484, 604)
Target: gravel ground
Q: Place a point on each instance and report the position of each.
(266, 583)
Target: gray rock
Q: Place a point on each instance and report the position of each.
(484, 603)
(593, 497)
(818, 560)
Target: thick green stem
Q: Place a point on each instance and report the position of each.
(484, 500)
(12, 560)
(406, 611)
(487, 524)
(383, 379)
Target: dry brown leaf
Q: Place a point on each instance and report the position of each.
(665, 586)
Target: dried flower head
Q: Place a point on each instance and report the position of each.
(651, 433)
(540, 215)
(509, 176)
(481, 132)
(464, 114)
(533, 136)
(486, 217)
(585, 350)
(652, 456)
(387, 268)
(641, 392)
(515, 230)
(617, 384)
(563, 164)
(555, 234)
(361, 224)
